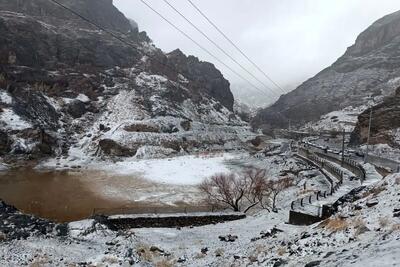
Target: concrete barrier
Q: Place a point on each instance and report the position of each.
(170, 221)
(299, 218)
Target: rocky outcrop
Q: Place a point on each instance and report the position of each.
(112, 148)
(16, 225)
(87, 90)
(384, 123)
(368, 70)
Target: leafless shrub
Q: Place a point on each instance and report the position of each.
(374, 191)
(396, 227)
(165, 263)
(3, 236)
(335, 224)
(384, 222)
(245, 191)
(277, 186)
(219, 252)
(281, 251)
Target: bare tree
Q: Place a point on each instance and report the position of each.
(277, 186)
(258, 192)
(227, 189)
(245, 191)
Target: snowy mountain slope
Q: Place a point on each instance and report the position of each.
(68, 89)
(370, 69)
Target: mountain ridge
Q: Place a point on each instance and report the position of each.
(369, 68)
(74, 89)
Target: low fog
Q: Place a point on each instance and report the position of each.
(290, 40)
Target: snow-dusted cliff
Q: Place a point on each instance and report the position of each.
(68, 89)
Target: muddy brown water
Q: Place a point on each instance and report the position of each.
(65, 196)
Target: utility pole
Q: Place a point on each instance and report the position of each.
(344, 136)
(290, 127)
(369, 134)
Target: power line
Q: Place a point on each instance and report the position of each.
(200, 46)
(216, 45)
(234, 45)
(122, 40)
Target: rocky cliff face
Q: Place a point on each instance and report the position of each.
(68, 89)
(385, 123)
(368, 70)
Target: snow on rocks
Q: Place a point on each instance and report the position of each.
(12, 121)
(338, 120)
(5, 98)
(359, 233)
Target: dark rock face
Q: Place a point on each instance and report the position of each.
(4, 143)
(385, 117)
(203, 76)
(76, 108)
(30, 42)
(16, 225)
(33, 106)
(112, 148)
(49, 56)
(142, 128)
(368, 68)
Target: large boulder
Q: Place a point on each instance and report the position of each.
(76, 108)
(111, 148)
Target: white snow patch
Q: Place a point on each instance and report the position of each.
(12, 120)
(84, 98)
(5, 97)
(184, 170)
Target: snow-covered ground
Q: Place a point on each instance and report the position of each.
(177, 170)
(363, 233)
(338, 120)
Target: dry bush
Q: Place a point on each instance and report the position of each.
(199, 256)
(41, 260)
(396, 227)
(219, 251)
(144, 252)
(359, 225)
(374, 191)
(165, 263)
(153, 256)
(384, 222)
(3, 236)
(281, 251)
(358, 222)
(335, 224)
(109, 259)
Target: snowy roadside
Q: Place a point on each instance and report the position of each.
(363, 233)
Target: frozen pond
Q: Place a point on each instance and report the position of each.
(144, 186)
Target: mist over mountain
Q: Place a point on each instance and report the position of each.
(369, 68)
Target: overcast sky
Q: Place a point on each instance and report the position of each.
(291, 40)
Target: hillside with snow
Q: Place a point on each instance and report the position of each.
(119, 100)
